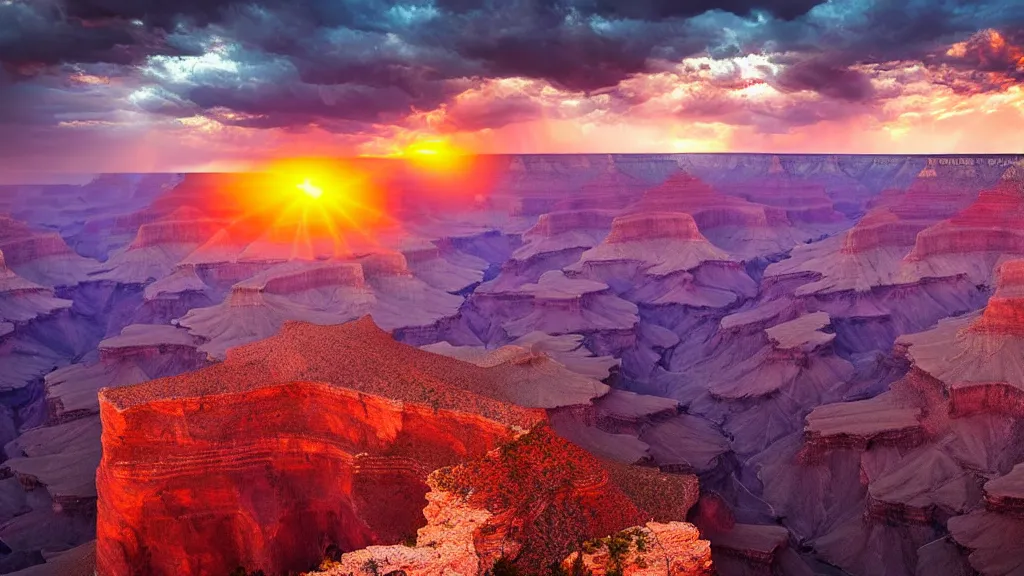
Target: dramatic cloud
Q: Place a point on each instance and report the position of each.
(257, 77)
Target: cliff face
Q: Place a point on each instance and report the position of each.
(305, 465)
(41, 257)
(282, 451)
(282, 447)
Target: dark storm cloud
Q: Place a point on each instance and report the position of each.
(660, 9)
(860, 31)
(44, 33)
(277, 105)
(335, 61)
(490, 113)
(826, 79)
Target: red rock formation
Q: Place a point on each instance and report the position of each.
(1005, 494)
(383, 264)
(531, 502)
(897, 218)
(547, 495)
(976, 359)
(554, 223)
(41, 257)
(803, 201)
(1004, 313)
(655, 549)
(652, 226)
(684, 193)
(284, 449)
(658, 243)
(993, 223)
(611, 190)
(175, 231)
(268, 445)
(293, 277)
(882, 420)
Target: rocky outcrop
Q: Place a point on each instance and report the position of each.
(976, 239)
(871, 254)
(555, 304)
(613, 189)
(447, 270)
(318, 292)
(22, 301)
(157, 249)
(398, 413)
(658, 245)
(805, 202)
(531, 503)
(62, 459)
(973, 357)
(558, 232)
(41, 257)
(745, 229)
(140, 352)
(880, 421)
(654, 549)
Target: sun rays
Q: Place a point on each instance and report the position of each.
(307, 209)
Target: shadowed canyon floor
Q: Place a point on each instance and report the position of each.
(669, 364)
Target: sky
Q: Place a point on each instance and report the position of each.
(160, 85)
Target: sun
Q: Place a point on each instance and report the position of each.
(312, 191)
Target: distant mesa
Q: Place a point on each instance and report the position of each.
(565, 230)
(805, 202)
(611, 190)
(974, 357)
(976, 239)
(661, 243)
(41, 257)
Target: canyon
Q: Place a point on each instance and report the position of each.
(765, 364)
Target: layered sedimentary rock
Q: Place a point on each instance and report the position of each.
(543, 382)
(914, 459)
(140, 352)
(768, 383)
(57, 462)
(606, 422)
(62, 459)
(806, 203)
(49, 492)
(880, 421)
(22, 301)
(613, 189)
(397, 413)
(555, 241)
(318, 292)
(742, 228)
(447, 270)
(974, 358)
(555, 304)
(670, 247)
(871, 253)
(654, 549)
(976, 239)
(157, 248)
(41, 257)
